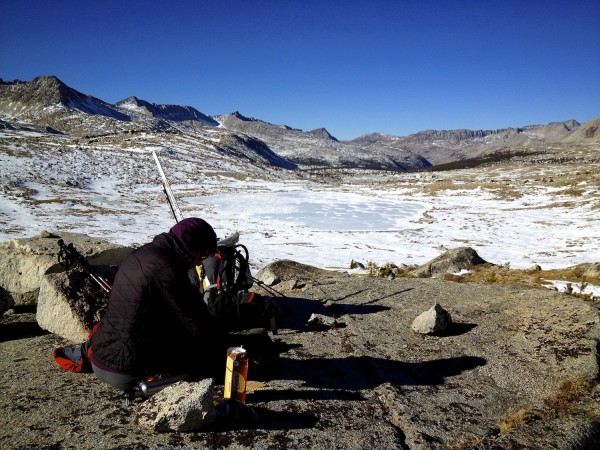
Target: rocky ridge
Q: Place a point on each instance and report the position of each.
(168, 112)
(445, 146)
(319, 148)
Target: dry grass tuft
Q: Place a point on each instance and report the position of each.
(565, 401)
(388, 270)
(233, 175)
(570, 400)
(492, 274)
(530, 277)
(519, 418)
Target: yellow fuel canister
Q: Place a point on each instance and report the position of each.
(236, 374)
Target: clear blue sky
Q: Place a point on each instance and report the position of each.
(353, 67)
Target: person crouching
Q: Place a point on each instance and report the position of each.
(156, 321)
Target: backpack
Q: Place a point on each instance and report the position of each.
(228, 270)
(225, 280)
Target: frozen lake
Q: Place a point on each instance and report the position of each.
(319, 211)
(323, 228)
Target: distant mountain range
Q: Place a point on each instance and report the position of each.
(47, 104)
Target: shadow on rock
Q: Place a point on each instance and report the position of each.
(366, 372)
(266, 395)
(297, 311)
(455, 329)
(20, 330)
(341, 309)
(266, 419)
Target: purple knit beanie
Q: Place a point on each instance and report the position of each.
(195, 235)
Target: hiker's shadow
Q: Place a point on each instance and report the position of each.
(357, 373)
(296, 311)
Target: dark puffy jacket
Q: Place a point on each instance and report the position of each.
(156, 321)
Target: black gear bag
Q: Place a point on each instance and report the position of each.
(226, 278)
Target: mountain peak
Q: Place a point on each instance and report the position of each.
(322, 133)
(133, 100)
(49, 90)
(48, 80)
(30, 98)
(239, 116)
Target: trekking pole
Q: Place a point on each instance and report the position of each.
(168, 191)
(267, 288)
(68, 255)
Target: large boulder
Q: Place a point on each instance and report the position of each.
(69, 304)
(284, 270)
(434, 320)
(23, 262)
(453, 261)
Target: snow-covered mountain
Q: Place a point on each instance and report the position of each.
(49, 105)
